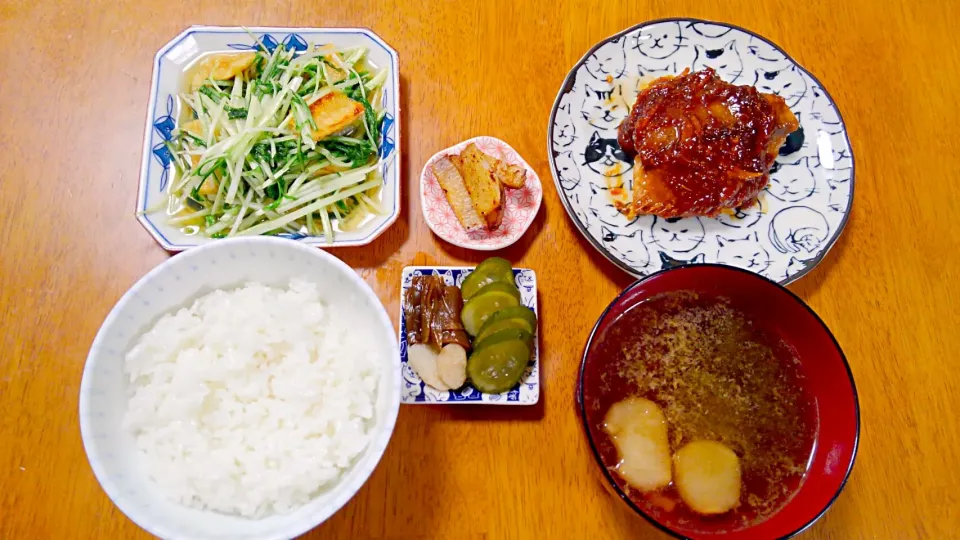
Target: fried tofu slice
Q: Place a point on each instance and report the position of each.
(209, 186)
(455, 189)
(221, 67)
(193, 127)
(334, 112)
(485, 190)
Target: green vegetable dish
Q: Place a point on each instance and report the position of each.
(273, 143)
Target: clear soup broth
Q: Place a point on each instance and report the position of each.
(717, 376)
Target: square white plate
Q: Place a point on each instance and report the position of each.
(181, 51)
(414, 391)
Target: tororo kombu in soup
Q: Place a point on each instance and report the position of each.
(716, 376)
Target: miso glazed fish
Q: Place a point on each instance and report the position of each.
(701, 145)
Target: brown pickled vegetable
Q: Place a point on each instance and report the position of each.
(411, 311)
(447, 326)
(431, 313)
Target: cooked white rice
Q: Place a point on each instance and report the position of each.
(253, 400)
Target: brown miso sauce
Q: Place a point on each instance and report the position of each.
(717, 376)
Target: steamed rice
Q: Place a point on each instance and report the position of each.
(252, 401)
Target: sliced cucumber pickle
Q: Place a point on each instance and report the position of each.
(520, 317)
(507, 334)
(492, 270)
(495, 296)
(498, 367)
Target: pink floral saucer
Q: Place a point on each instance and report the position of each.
(520, 208)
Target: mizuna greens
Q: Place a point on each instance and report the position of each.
(273, 143)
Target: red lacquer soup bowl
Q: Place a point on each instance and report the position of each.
(826, 379)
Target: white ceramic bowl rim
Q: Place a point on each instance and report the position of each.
(349, 483)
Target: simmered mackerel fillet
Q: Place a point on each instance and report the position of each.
(701, 144)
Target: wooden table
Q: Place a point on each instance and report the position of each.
(74, 83)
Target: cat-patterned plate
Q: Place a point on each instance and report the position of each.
(798, 216)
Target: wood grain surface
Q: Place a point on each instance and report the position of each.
(74, 84)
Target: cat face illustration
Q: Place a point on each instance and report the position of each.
(794, 267)
(833, 151)
(798, 229)
(567, 170)
(602, 210)
(608, 62)
(604, 109)
(792, 182)
(787, 83)
(564, 131)
(579, 210)
(824, 111)
(628, 247)
(746, 253)
(667, 261)
(679, 235)
(725, 60)
(660, 41)
(839, 182)
(766, 53)
(709, 30)
(744, 217)
(838, 201)
(605, 157)
(606, 204)
(646, 75)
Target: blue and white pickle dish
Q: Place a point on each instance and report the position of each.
(798, 216)
(415, 391)
(164, 109)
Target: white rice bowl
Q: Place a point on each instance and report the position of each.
(249, 401)
(245, 389)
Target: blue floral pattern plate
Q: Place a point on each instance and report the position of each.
(799, 215)
(173, 58)
(415, 391)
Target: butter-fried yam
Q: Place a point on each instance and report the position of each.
(512, 176)
(485, 190)
(455, 189)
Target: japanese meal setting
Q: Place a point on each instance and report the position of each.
(249, 386)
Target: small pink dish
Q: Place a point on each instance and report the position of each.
(520, 208)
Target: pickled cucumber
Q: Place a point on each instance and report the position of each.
(492, 270)
(520, 317)
(506, 334)
(495, 296)
(498, 367)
